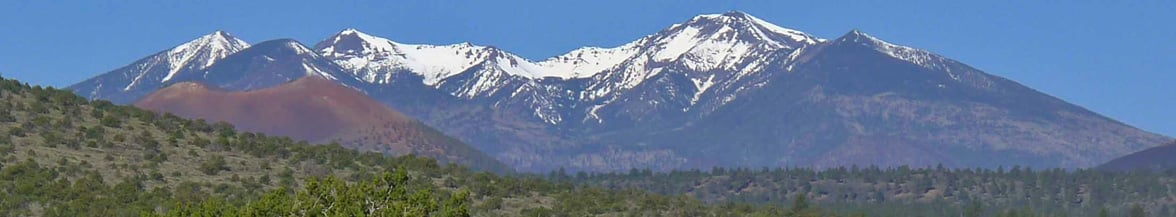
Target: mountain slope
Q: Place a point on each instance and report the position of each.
(724, 89)
(375, 59)
(61, 155)
(734, 90)
(129, 83)
(1156, 159)
(535, 113)
(317, 110)
(266, 64)
(858, 100)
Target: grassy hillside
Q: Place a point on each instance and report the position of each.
(65, 156)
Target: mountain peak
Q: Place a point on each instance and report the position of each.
(267, 64)
(746, 22)
(373, 58)
(355, 33)
(707, 42)
(128, 83)
(858, 36)
(351, 41)
(350, 31)
(286, 44)
(221, 33)
(862, 38)
(913, 55)
(202, 52)
(218, 38)
(734, 14)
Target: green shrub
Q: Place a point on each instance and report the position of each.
(214, 165)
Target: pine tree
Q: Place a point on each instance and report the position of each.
(974, 210)
(457, 205)
(801, 207)
(1137, 211)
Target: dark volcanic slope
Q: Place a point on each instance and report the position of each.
(1157, 158)
(318, 110)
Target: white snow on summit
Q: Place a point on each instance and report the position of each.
(191, 56)
(377, 58)
(720, 54)
(705, 42)
(587, 61)
(709, 48)
(917, 56)
(711, 42)
(202, 52)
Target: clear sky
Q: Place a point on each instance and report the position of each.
(1117, 58)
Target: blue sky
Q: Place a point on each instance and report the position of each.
(1116, 58)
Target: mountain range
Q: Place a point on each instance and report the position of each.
(726, 89)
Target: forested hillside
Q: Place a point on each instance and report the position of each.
(1156, 159)
(65, 156)
(906, 191)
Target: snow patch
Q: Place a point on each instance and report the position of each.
(919, 57)
(518, 66)
(587, 61)
(794, 34)
(701, 86)
(592, 113)
(201, 53)
(734, 42)
(677, 44)
(311, 70)
(380, 57)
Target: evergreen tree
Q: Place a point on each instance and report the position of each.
(974, 210)
(1137, 211)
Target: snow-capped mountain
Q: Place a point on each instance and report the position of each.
(670, 72)
(706, 51)
(268, 64)
(724, 89)
(858, 100)
(713, 42)
(376, 60)
(713, 76)
(913, 55)
(129, 83)
(465, 71)
(705, 42)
